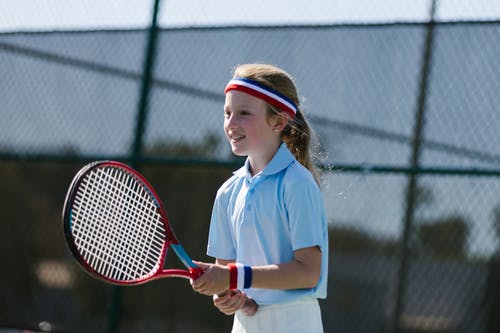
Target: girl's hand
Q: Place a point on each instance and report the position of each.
(250, 307)
(214, 280)
(231, 301)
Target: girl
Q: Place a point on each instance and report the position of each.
(268, 230)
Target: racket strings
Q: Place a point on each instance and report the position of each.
(96, 244)
(117, 226)
(116, 246)
(136, 234)
(146, 228)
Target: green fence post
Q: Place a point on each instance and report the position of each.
(147, 77)
(411, 190)
(136, 149)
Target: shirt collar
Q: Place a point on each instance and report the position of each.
(281, 160)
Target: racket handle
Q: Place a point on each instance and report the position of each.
(195, 272)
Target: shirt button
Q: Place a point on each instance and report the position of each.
(249, 207)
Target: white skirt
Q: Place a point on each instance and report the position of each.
(293, 317)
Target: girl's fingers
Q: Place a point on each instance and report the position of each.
(250, 307)
(229, 303)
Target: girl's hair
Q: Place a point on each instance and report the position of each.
(297, 135)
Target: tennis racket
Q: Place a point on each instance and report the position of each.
(116, 227)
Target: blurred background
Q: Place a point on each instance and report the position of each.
(403, 95)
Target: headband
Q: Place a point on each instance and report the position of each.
(266, 94)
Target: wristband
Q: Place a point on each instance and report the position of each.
(233, 276)
(248, 277)
(240, 276)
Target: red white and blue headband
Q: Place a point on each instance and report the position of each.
(266, 94)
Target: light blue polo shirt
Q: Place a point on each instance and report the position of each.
(261, 220)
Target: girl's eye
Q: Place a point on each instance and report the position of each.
(243, 113)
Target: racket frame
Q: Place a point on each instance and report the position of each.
(171, 240)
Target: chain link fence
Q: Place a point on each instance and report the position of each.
(407, 113)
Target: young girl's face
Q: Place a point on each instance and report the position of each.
(247, 126)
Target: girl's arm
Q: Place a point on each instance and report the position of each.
(303, 271)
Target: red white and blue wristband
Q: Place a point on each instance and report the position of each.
(240, 276)
(263, 92)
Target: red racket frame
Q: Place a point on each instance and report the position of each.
(171, 240)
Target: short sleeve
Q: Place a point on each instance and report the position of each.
(220, 238)
(306, 214)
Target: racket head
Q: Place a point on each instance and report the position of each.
(115, 224)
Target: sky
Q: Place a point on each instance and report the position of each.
(35, 15)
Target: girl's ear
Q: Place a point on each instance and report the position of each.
(280, 121)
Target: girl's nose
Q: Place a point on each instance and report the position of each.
(230, 121)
